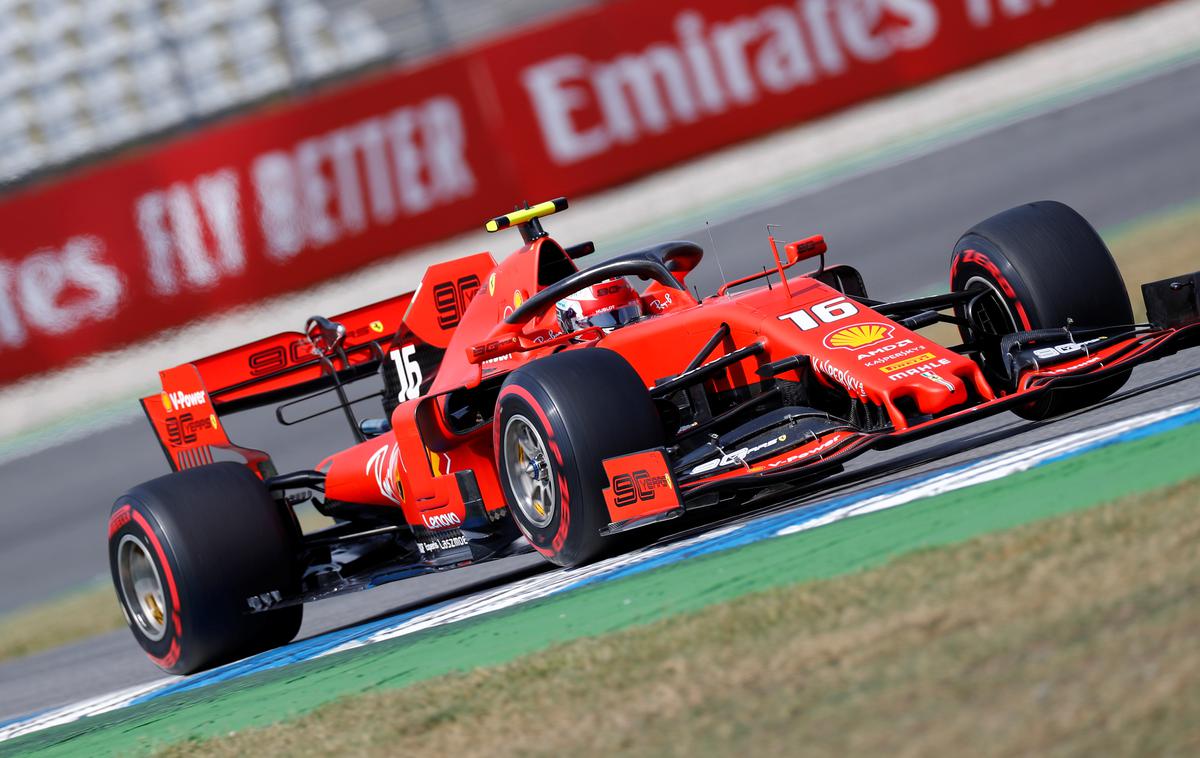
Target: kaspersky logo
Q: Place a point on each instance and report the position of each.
(177, 401)
(861, 335)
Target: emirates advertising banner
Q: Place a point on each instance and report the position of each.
(295, 193)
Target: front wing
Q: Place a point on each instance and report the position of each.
(825, 453)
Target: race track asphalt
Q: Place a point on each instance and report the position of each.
(1114, 157)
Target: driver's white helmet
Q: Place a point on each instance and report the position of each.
(607, 305)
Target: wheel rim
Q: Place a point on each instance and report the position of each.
(141, 588)
(527, 465)
(995, 311)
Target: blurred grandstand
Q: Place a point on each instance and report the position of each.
(80, 78)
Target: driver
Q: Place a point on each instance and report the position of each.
(608, 305)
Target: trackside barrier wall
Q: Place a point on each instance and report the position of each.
(302, 190)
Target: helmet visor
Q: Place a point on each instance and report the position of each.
(614, 318)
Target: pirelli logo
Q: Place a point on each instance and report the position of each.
(891, 368)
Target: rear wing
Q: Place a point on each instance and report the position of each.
(186, 415)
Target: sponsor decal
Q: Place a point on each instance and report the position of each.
(446, 520)
(447, 543)
(120, 518)
(450, 299)
(937, 378)
(859, 336)
(518, 298)
(384, 466)
(376, 326)
(492, 284)
(844, 378)
(886, 353)
(892, 368)
(1046, 353)
(738, 456)
(278, 357)
(636, 487)
(918, 370)
(178, 400)
(184, 428)
(804, 454)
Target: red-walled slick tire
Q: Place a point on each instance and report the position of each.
(557, 419)
(1043, 264)
(187, 553)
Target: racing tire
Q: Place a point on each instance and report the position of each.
(557, 419)
(1044, 264)
(188, 550)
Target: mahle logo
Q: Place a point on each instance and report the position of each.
(854, 337)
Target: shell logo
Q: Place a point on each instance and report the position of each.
(862, 335)
(166, 401)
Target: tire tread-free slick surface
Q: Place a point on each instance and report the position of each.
(1051, 265)
(588, 405)
(223, 539)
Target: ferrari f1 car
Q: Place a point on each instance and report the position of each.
(532, 402)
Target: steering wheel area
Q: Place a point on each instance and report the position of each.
(659, 263)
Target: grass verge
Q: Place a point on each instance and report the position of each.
(1165, 244)
(1073, 636)
(79, 614)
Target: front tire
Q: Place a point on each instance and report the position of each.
(187, 551)
(556, 421)
(1042, 265)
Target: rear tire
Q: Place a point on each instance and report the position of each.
(187, 551)
(557, 419)
(1044, 264)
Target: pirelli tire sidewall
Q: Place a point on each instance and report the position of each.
(216, 538)
(1049, 265)
(587, 404)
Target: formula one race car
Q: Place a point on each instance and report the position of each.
(535, 403)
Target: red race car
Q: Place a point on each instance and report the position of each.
(532, 402)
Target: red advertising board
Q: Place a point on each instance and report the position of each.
(627, 87)
(255, 207)
(289, 196)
